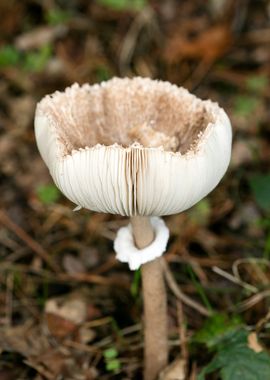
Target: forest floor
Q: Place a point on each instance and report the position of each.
(68, 309)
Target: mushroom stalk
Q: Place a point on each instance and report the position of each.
(155, 303)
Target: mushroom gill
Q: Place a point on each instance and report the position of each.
(124, 112)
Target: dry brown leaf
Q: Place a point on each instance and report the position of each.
(71, 309)
(39, 37)
(241, 153)
(11, 16)
(22, 111)
(86, 335)
(175, 371)
(25, 339)
(59, 326)
(7, 374)
(207, 46)
(50, 364)
(253, 342)
(49, 360)
(73, 264)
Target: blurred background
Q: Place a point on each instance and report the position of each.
(68, 310)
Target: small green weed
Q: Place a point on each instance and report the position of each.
(200, 213)
(260, 187)
(257, 83)
(123, 5)
(48, 194)
(199, 288)
(215, 328)
(56, 16)
(36, 61)
(264, 223)
(135, 285)
(245, 105)
(111, 359)
(103, 73)
(9, 56)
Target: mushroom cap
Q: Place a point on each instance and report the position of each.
(133, 146)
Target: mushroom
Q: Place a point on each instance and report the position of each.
(140, 148)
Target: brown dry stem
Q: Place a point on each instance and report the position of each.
(155, 304)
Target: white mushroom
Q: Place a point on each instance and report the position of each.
(133, 146)
(139, 148)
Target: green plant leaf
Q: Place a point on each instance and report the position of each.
(36, 60)
(135, 285)
(48, 194)
(57, 16)
(103, 73)
(112, 362)
(9, 56)
(245, 105)
(200, 213)
(110, 353)
(113, 365)
(216, 328)
(257, 83)
(247, 365)
(200, 289)
(236, 361)
(260, 186)
(123, 5)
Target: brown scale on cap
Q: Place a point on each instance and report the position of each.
(147, 136)
(123, 112)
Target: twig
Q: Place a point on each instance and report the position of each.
(202, 261)
(93, 278)
(262, 322)
(193, 372)
(180, 295)
(182, 334)
(147, 16)
(195, 264)
(32, 244)
(235, 280)
(98, 322)
(251, 301)
(9, 298)
(253, 261)
(80, 346)
(64, 277)
(40, 369)
(256, 37)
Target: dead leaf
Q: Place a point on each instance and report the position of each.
(73, 264)
(59, 326)
(7, 374)
(25, 339)
(207, 46)
(253, 343)
(71, 309)
(11, 16)
(22, 111)
(175, 371)
(86, 335)
(39, 37)
(241, 153)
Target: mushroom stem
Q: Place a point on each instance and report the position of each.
(155, 303)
